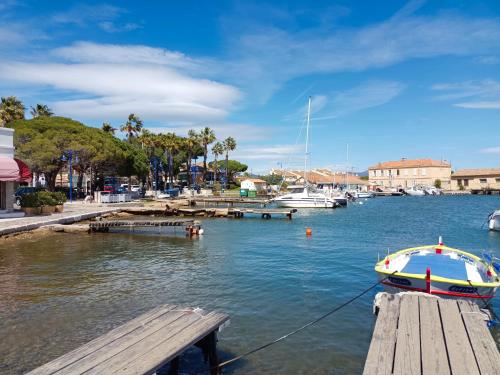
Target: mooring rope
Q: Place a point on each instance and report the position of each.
(275, 341)
(487, 304)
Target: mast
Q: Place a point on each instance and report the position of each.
(307, 140)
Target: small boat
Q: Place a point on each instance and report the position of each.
(415, 192)
(440, 270)
(494, 220)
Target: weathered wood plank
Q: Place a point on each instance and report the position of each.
(433, 348)
(160, 347)
(124, 343)
(483, 344)
(381, 352)
(461, 357)
(407, 355)
(98, 343)
(156, 355)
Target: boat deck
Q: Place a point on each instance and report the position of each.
(416, 333)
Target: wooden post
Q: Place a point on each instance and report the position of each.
(428, 280)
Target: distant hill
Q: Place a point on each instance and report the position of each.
(362, 174)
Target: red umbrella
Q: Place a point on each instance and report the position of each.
(24, 171)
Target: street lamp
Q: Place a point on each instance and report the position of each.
(68, 156)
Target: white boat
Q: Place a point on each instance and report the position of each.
(440, 270)
(415, 192)
(361, 194)
(494, 220)
(431, 190)
(306, 196)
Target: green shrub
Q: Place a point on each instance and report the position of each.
(47, 198)
(30, 200)
(59, 197)
(437, 184)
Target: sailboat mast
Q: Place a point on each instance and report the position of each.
(307, 140)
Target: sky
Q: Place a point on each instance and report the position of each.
(387, 79)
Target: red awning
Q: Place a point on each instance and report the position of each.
(24, 171)
(9, 170)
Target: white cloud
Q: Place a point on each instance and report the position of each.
(82, 14)
(113, 27)
(114, 90)
(268, 153)
(481, 94)
(264, 57)
(479, 105)
(84, 52)
(490, 150)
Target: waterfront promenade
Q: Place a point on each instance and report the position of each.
(72, 213)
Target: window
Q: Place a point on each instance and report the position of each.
(397, 172)
(483, 180)
(466, 182)
(423, 171)
(497, 180)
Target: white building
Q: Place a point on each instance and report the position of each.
(9, 170)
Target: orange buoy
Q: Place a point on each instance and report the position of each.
(309, 232)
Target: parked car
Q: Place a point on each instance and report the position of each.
(135, 188)
(22, 190)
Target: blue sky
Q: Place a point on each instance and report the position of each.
(390, 78)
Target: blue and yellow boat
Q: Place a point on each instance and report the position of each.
(440, 270)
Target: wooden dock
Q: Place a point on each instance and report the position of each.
(416, 333)
(191, 226)
(144, 345)
(228, 201)
(234, 212)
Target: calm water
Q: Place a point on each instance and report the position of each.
(61, 291)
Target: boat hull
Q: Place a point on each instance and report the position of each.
(398, 283)
(299, 203)
(494, 223)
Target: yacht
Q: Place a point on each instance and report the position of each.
(414, 191)
(306, 196)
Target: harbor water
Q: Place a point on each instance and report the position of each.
(60, 291)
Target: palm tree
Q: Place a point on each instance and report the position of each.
(106, 127)
(11, 109)
(41, 110)
(217, 150)
(190, 143)
(229, 145)
(207, 136)
(132, 127)
(169, 142)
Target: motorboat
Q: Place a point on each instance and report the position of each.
(361, 194)
(439, 270)
(494, 220)
(431, 190)
(415, 192)
(305, 197)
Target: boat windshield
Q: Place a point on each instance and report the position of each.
(297, 190)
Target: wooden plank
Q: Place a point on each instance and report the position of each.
(156, 354)
(125, 343)
(100, 342)
(461, 357)
(407, 355)
(160, 347)
(482, 342)
(381, 352)
(433, 348)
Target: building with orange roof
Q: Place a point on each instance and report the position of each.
(484, 179)
(322, 176)
(407, 173)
